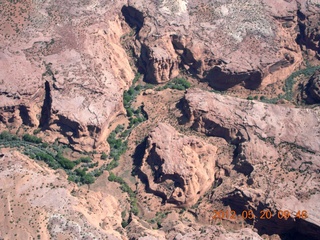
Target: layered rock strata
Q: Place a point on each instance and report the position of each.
(63, 68)
(226, 43)
(275, 148)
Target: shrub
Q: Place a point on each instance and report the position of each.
(182, 82)
(30, 138)
(125, 188)
(104, 156)
(136, 78)
(80, 172)
(87, 179)
(97, 173)
(119, 128)
(85, 159)
(47, 159)
(125, 133)
(250, 98)
(176, 83)
(124, 223)
(5, 135)
(131, 91)
(134, 207)
(44, 145)
(112, 177)
(73, 178)
(36, 131)
(92, 165)
(113, 164)
(129, 112)
(64, 162)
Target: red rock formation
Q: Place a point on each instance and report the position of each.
(276, 149)
(178, 168)
(226, 43)
(63, 68)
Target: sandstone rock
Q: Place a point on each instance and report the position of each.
(194, 231)
(161, 63)
(40, 201)
(275, 148)
(309, 35)
(226, 43)
(178, 168)
(313, 88)
(63, 68)
(137, 230)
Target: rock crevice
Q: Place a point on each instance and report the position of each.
(180, 169)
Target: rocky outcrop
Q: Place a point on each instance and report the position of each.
(226, 43)
(160, 63)
(250, 122)
(313, 89)
(275, 148)
(63, 63)
(309, 34)
(178, 168)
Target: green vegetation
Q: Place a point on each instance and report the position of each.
(5, 135)
(33, 147)
(81, 176)
(124, 222)
(125, 188)
(250, 98)
(118, 141)
(117, 138)
(118, 146)
(64, 162)
(307, 72)
(104, 156)
(31, 138)
(85, 159)
(47, 158)
(36, 131)
(159, 218)
(176, 83)
(289, 83)
(135, 116)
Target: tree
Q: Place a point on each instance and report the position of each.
(104, 156)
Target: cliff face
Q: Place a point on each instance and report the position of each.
(63, 68)
(275, 148)
(309, 35)
(311, 92)
(226, 43)
(179, 169)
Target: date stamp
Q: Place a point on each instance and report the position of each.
(264, 214)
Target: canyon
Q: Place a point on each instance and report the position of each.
(137, 119)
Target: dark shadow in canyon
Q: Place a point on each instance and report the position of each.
(286, 229)
(25, 116)
(133, 17)
(222, 81)
(46, 107)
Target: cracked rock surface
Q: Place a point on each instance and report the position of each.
(179, 169)
(275, 148)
